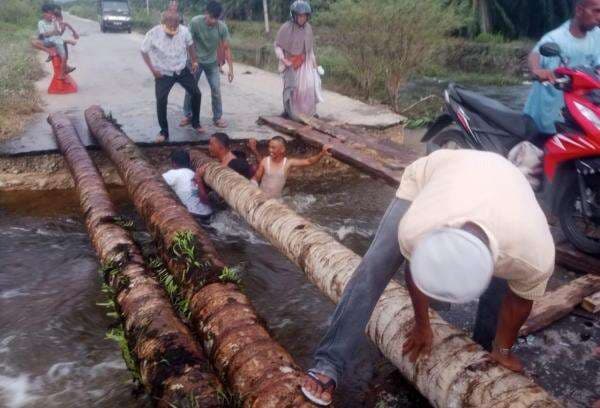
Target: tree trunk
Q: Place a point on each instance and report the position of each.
(458, 372)
(256, 368)
(482, 8)
(172, 366)
(266, 16)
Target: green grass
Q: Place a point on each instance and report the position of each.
(84, 10)
(19, 70)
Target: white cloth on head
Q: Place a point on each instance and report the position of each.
(451, 265)
(169, 55)
(182, 182)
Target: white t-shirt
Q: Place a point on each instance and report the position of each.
(451, 187)
(181, 181)
(169, 55)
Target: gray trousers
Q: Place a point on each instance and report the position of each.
(382, 260)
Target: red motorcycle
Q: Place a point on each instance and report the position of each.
(571, 163)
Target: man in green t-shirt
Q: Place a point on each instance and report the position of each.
(209, 33)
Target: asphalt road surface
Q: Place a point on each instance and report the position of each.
(111, 73)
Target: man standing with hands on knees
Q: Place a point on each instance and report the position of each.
(470, 227)
(165, 50)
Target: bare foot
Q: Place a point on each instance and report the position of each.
(185, 122)
(220, 123)
(509, 361)
(200, 129)
(160, 138)
(315, 388)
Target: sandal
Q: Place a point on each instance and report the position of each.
(160, 138)
(325, 386)
(185, 122)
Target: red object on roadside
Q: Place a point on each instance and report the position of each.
(57, 85)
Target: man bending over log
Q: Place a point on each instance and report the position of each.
(466, 221)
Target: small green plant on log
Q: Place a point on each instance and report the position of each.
(184, 248)
(117, 334)
(230, 275)
(181, 304)
(229, 399)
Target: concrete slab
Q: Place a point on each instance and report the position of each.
(110, 72)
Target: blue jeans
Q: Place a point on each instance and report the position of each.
(213, 76)
(382, 260)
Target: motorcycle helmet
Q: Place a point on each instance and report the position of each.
(300, 7)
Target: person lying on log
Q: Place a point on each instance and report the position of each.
(182, 180)
(273, 170)
(219, 147)
(470, 227)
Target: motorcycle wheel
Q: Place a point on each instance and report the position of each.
(449, 138)
(575, 225)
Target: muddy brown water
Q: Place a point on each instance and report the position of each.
(53, 350)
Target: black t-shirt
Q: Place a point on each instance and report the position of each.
(240, 166)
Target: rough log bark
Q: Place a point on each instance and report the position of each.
(559, 303)
(173, 368)
(254, 366)
(457, 373)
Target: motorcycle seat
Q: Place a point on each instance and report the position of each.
(513, 122)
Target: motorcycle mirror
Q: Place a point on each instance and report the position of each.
(550, 50)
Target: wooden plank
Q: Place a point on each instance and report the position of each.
(559, 303)
(393, 157)
(400, 155)
(570, 258)
(351, 156)
(592, 303)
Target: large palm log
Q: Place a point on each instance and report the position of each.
(172, 366)
(254, 366)
(457, 373)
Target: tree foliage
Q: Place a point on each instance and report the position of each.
(513, 18)
(387, 39)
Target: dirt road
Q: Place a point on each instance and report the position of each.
(110, 72)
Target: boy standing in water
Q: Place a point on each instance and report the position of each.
(273, 170)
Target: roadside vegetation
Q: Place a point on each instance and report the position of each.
(19, 67)
(375, 50)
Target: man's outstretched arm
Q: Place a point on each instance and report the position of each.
(420, 338)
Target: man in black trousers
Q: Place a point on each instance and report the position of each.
(165, 50)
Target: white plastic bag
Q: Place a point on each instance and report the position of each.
(529, 159)
(318, 90)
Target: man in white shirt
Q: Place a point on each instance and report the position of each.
(165, 50)
(181, 180)
(465, 220)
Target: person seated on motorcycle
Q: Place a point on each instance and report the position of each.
(579, 41)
